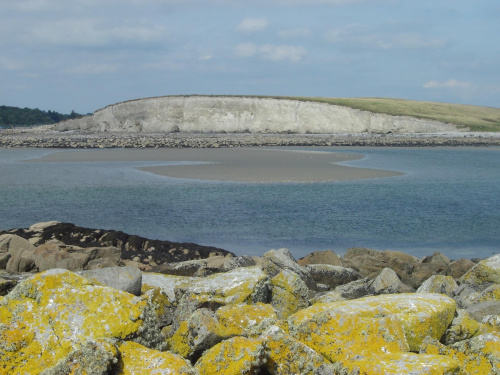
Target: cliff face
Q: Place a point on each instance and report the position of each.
(210, 114)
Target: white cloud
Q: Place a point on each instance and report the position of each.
(271, 52)
(301, 32)
(450, 84)
(464, 89)
(205, 57)
(252, 25)
(89, 32)
(245, 50)
(361, 34)
(278, 53)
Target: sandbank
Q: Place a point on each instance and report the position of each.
(263, 165)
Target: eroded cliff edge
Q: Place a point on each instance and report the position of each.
(226, 114)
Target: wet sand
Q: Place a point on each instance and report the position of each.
(235, 164)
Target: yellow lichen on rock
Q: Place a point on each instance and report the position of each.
(136, 359)
(286, 355)
(462, 327)
(245, 320)
(56, 312)
(179, 342)
(289, 293)
(94, 358)
(402, 363)
(380, 324)
(479, 355)
(236, 356)
(485, 272)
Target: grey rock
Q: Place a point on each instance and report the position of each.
(321, 257)
(128, 279)
(238, 262)
(332, 276)
(55, 254)
(388, 282)
(483, 309)
(355, 289)
(465, 294)
(21, 252)
(438, 284)
(438, 259)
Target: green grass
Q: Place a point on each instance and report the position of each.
(480, 119)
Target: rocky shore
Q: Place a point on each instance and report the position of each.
(46, 137)
(85, 301)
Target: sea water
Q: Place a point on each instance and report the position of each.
(448, 200)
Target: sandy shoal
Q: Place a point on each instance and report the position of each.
(235, 164)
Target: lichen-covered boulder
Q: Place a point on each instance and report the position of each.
(401, 363)
(492, 293)
(246, 320)
(48, 316)
(462, 327)
(484, 273)
(330, 275)
(95, 357)
(289, 293)
(286, 355)
(274, 261)
(380, 324)
(438, 284)
(478, 355)
(196, 334)
(137, 359)
(235, 356)
(244, 285)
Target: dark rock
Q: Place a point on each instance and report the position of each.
(458, 268)
(160, 251)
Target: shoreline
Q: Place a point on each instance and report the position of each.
(46, 138)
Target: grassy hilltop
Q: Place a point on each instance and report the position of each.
(480, 119)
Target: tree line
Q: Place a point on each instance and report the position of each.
(15, 116)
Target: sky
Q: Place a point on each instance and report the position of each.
(83, 55)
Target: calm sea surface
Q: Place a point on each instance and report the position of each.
(448, 200)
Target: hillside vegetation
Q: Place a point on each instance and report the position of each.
(15, 116)
(481, 119)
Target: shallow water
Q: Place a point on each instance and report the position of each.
(448, 200)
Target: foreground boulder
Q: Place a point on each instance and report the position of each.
(49, 316)
(371, 325)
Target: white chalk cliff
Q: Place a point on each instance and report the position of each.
(226, 114)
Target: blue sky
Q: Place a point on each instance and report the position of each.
(85, 54)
